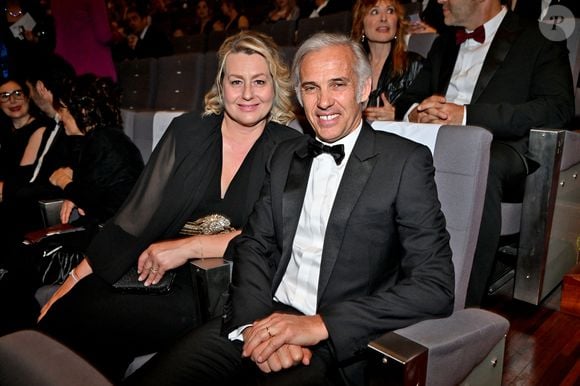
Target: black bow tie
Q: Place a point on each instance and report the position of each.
(462, 35)
(316, 148)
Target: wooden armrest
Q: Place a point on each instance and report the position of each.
(39, 235)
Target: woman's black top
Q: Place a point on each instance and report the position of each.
(13, 143)
(394, 86)
(180, 179)
(107, 168)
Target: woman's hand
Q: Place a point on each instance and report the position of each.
(77, 274)
(61, 177)
(163, 256)
(383, 113)
(66, 209)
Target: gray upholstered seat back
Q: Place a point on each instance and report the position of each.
(461, 160)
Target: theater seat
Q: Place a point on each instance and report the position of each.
(468, 346)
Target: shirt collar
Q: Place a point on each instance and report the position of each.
(348, 141)
(492, 25)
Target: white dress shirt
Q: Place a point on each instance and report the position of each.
(470, 61)
(299, 285)
(468, 66)
(316, 12)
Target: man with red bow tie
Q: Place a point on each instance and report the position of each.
(498, 71)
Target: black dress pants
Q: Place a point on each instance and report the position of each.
(109, 328)
(507, 173)
(204, 357)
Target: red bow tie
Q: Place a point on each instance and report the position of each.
(478, 35)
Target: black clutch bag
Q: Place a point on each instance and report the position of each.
(129, 283)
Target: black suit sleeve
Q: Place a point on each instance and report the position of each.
(424, 285)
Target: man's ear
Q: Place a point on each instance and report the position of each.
(366, 90)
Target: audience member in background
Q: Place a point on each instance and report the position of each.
(233, 20)
(381, 27)
(108, 162)
(25, 43)
(205, 171)
(21, 136)
(538, 9)
(284, 10)
(316, 8)
(83, 36)
(21, 130)
(501, 73)
(203, 20)
(107, 167)
(145, 41)
(20, 204)
(346, 242)
(424, 16)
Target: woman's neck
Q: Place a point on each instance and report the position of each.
(378, 54)
(19, 123)
(239, 135)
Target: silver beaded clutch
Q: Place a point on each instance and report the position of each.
(209, 225)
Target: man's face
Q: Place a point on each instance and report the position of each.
(136, 22)
(460, 13)
(328, 87)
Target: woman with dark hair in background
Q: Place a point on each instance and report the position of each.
(206, 173)
(21, 130)
(108, 162)
(381, 27)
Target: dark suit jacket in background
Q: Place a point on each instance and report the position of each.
(153, 45)
(386, 261)
(525, 82)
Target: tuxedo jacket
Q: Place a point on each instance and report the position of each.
(153, 45)
(525, 82)
(386, 260)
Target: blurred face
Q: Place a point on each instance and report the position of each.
(202, 10)
(460, 13)
(248, 89)
(381, 22)
(328, 87)
(136, 22)
(282, 3)
(13, 101)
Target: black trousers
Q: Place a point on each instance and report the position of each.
(507, 173)
(109, 328)
(205, 357)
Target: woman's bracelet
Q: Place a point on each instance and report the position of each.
(74, 275)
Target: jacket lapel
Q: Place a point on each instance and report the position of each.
(292, 200)
(357, 172)
(500, 46)
(448, 60)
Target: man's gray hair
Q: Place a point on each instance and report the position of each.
(362, 67)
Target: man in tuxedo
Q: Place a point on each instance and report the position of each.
(145, 41)
(498, 71)
(346, 242)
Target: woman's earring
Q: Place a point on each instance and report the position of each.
(362, 38)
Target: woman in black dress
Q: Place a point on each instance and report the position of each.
(21, 130)
(214, 164)
(381, 27)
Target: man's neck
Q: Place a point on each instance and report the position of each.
(486, 12)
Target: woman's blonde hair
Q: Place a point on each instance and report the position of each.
(252, 42)
(399, 47)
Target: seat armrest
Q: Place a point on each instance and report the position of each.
(457, 344)
(211, 278)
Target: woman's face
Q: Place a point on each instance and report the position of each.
(380, 23)
(13, 101)
(202, 10)
(248, 89)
